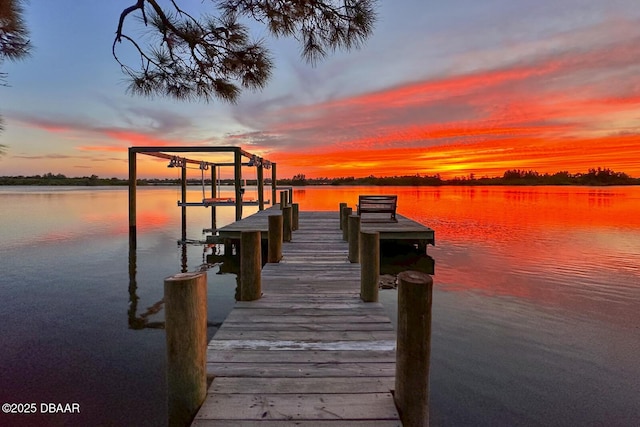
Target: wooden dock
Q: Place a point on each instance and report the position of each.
(309, 352)
(404, 229)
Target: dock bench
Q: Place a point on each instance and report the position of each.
(378, 204)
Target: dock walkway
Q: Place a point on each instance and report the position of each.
(309, 352)
(404, 229)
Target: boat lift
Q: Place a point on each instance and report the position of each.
(167, 152)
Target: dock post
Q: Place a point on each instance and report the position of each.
(133, 179)
(342, 205)
(346, 212)
(413, 347)
(213, 195)
(250, 265)
(274, 183)
(185, 306)
(283, 199)
(295, 216)
(260, 185)
(228, 247)
(274, 253)
(369, 265)
(287, 219)
(290, 195)
(183, 193)
(354, 238)
(237, 181)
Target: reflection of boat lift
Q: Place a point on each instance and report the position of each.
(141, 321)
(146, 320)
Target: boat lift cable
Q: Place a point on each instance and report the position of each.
(203, 167)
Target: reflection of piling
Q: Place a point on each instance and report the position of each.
(354, 238)
(413, 347)
(274, 253)
(344, 220)
(369, 265)
(287, 222)
(250, 265)
(185, 298)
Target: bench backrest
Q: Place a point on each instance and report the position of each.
(376, 200)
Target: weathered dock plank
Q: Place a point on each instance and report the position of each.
(303, 385)
(309, 352)
(308, 406)
(325, 356)
(297, 423)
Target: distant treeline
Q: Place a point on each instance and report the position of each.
(94, 180)
(599, 176)
(60, 179)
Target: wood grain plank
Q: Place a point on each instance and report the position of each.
(291, 345)
(233, 327)
(249, 316)
(294, 423)
(301, 370)
(369, 406)
(333, 385)
(311, 356)
(305, 335)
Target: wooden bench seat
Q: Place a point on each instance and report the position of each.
(378, 204)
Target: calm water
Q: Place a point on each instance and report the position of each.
(535, 313)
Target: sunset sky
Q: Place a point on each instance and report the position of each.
(449, 87)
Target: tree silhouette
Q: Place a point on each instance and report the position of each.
(14, 38)
(205, 57)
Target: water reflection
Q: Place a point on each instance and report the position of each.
(143, 320)
(535, 299)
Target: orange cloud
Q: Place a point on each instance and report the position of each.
(571, 110)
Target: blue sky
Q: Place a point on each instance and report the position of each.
(441, 87)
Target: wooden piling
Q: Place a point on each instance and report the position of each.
(295, 216)
(287, 220)
(274, 183)
(185, 305)
(354, 238)
(183, 194)
(283, 199)
(250, 265)
(342, 205)
(260, 184)
(346, 212)
(213, 195)
(413, 347)
(133, 179)
(274, 252)
(237, 182)
(369, 265)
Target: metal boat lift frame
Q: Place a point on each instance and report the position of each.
(182, 162)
